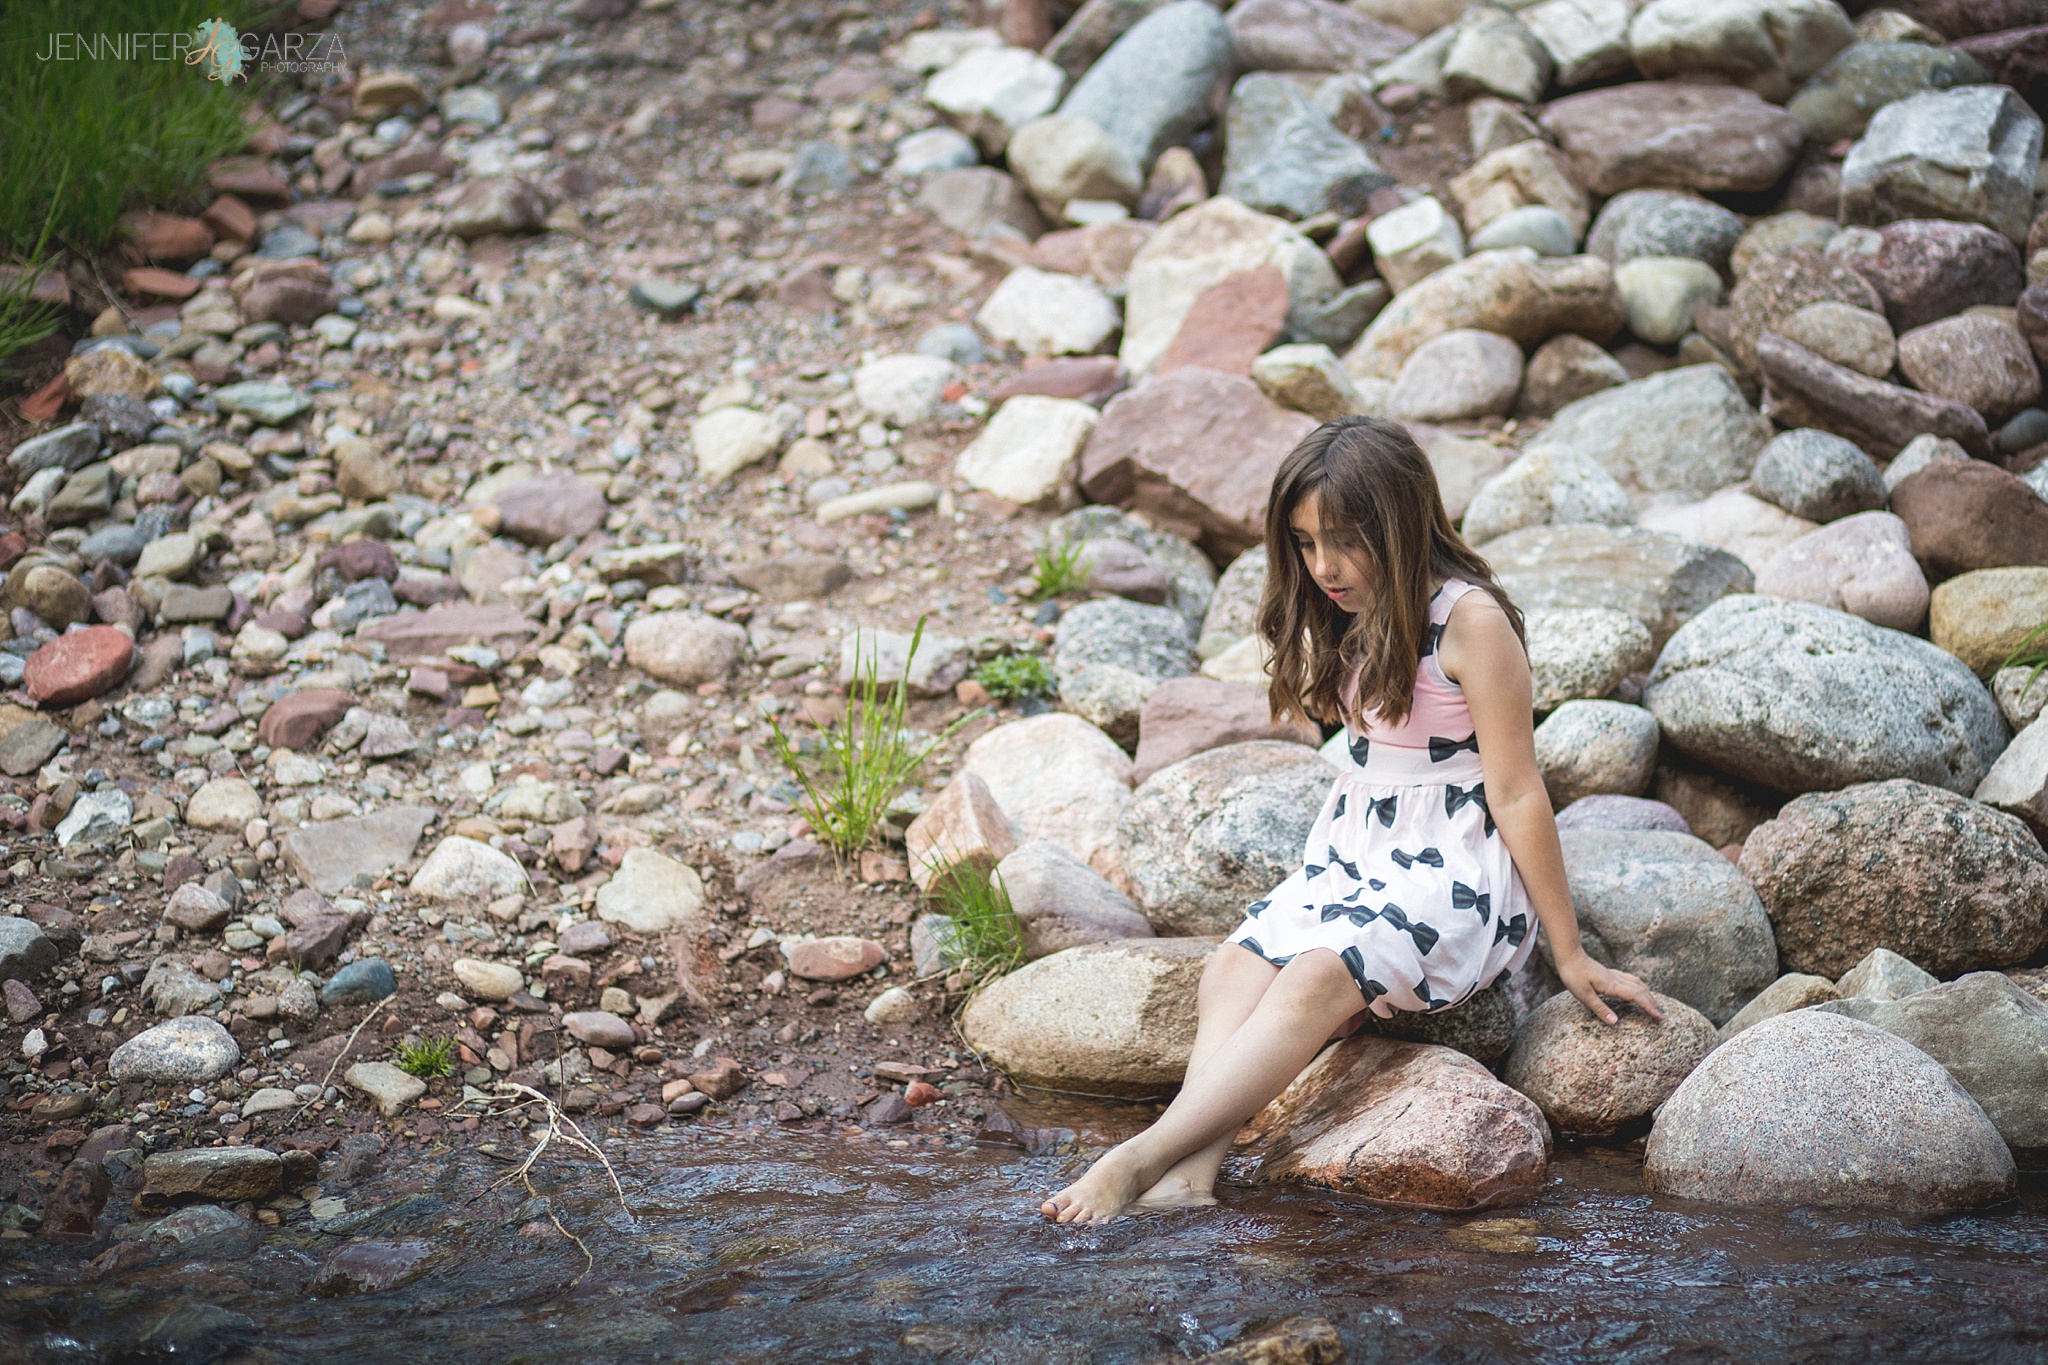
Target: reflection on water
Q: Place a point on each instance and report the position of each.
(762, 1246)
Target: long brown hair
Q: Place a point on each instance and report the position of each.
(1372, 482)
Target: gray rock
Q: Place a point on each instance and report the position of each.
(1792, 991)
(1621, 812)
(1686, 430)
(2021, 695)
(1801, 698)
(184, 1051)
(388, 1087)
(1543, 230)
(1672, 910)
(1840, 99)
(175, 990)
(463, 869)
(1337, 322)
(1591, 748)
(1817, 475)
(333, 855)
(1061, 902)
(1234, 609)
(1813, 1109)
(1991, 1035)
(1884, 975)
(1664, 223)
(1968, 154)
(25, 950)
(224, 1174)
(1191, 578)
(1950, 884)
(1285, 158)
(937, 944)
(263, 400)
(1151, 89)
(1205, 837)
(1661, 580)
(1112, 1018)
(1600, 1079)
(1108, 653)
(818, 168)
(1482, 1028)
(1552, 485)
(1583, 652)
(119, 542)
(67, 447)
(956, 342)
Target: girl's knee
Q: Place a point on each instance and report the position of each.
(1319, 974)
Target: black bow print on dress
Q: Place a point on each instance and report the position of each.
(1253, 944)
(1359, 747)
(1252, 911)
(1456, 796)
(1359, 915)
(1425, 937)
(1381, 808)
(1443, 750)
(1513, 930)
(1432, 636)
(1354, 961)
(1429, 1002)
(1429, 857)
(1337, 811)
(1464, 897)
(1350, 869)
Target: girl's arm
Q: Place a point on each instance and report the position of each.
(1481, 653)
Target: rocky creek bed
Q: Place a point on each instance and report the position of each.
(408, 555)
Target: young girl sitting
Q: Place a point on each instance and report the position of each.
(1436, 842)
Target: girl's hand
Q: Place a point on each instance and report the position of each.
(1588, 980)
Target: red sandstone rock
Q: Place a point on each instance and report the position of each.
(76, 667)
(832, 959)
(156, 283)
(298, 720)
(1185, 716)
(168, 237)
(1230, 323)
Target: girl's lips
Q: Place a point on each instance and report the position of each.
(1336, 593)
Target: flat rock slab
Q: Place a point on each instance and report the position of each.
(412, 637)
(1402, 1123)
(221, 1174)
(329, 856)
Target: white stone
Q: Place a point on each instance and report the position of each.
(488, 980)
(1308, 378)
(392, 1089)
(463, 869)
(1062, 158)
(931, 49)
(991, 92)
(903, 389)
(934, 149)
(652, 893)
(224, 803)
(727, 440)
(1586, 39)
(1029, 451)
(1043, 313)
(1414, 242)
(186, 1051)
(1745, 526)
(1661, 294)
(1057, 777)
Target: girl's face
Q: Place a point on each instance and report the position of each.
(1331, 554)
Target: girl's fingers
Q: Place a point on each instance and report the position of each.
(1590, 998)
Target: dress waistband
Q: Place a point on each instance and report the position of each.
(1394, 765)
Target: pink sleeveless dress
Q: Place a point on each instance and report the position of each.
(1404, 875)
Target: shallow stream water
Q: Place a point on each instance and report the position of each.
(767, 1246)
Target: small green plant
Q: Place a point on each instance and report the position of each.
(861, 761)
(2030, 653)
(428, 1057)
(1058, 568)
(991, 941)
(25, 319)
(1016, 675)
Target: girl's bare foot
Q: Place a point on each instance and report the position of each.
(1173, 1191)
(1102, 1194)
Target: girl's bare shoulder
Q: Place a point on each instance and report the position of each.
(1478, 632)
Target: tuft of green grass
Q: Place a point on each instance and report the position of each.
(991, 939)
(2031, 653)
(23, 319)
(1016, 675)
(83, 140)
(428, 1057)
(1059, 570)
(861, 762)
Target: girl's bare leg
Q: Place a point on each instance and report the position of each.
(1232, 985)
(1310, 997)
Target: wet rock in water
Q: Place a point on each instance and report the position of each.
(1800, 698)
(1792, 991)
(838, 958)
(1662, 580)
(1884, 975)
(188, 1050)
(1151, 88)
(683, 649)
(1110, 653)
(1404, 1124)
(1112, 1018)
(389, 1088)
(1286, 157)
(1621, 812)
(1294, 1341)
(652, 893)
(1583, 652)
(1209, 835)
(1513, 292)
(1668, 134)
(1587, 748)
(1950, 883)
(220, 1174)
(1483, 1027)
(1809, 1108)
(1968, 154)
(369, 1267)
(1860, 565)
(1600, 1079)
(26, 952)
(1673, 911)
(1966, 515)
(963, 827)
(330, 856)
(1060, 902)
(463, 869)
(1057, 777)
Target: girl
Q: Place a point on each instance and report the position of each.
(1434, 845)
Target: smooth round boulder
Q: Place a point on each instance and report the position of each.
(1663, 223)
(1814, 1109)
(1817, 475)
(1970, 514)
(1588, 748)
(1110, 1018)
(1205, 837)
(1799, 698)
(1598, 1079)
(190, 1050)
(1462, 374)
(1673, 911)
(1974, 359)
(1583, 652)
(1862, 565)
(1982, 617)
(1948, 882)
(1621, 812)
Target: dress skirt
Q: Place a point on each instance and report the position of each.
(1405, 878)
